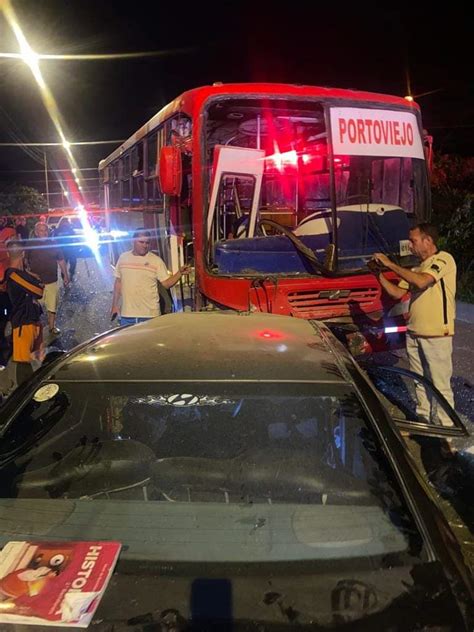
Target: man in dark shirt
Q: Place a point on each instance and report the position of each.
(44, 256)
(21, 228)
(24, 290)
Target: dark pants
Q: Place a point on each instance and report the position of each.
(71, 259)
(5, 344)
(24, 371)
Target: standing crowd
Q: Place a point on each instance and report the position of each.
(29, 266)
(29, 286)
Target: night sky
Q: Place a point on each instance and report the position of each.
(374, 48)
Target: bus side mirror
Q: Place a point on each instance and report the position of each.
(170, 173)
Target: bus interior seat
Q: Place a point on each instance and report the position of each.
(360, 233)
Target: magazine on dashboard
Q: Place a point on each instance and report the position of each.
(54, 583)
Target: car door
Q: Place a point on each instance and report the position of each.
(397, 387)
(444, 454)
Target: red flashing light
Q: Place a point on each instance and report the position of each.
(270, 334)
(283, 159)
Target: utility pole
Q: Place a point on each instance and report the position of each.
(46, 179)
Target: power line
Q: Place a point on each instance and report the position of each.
(84, 142)
(52, 181)
(49, 170)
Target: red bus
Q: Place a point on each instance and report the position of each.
(280, 194)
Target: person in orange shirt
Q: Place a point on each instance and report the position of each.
(24, 290)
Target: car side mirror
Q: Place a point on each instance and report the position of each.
(397, 387)
(170, 170)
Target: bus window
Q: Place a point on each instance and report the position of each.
(151, 155)
(126, 167)
(115, 196)
(115, 193)
(150, 191)
(233, 209)
(138, 194)
(181, 127)
(407, 192)
(125, 193)
(137, 159)
(381, 180)
(105, 175)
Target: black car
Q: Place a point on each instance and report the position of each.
(251, 472)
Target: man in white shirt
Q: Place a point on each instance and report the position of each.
(432, 287)
(137, 275)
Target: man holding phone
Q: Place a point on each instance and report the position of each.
(137, 275)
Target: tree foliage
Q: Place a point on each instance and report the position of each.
(17, 199)
(453, 213)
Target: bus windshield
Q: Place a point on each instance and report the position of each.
(375, 197)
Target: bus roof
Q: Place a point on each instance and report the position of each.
(190, 102)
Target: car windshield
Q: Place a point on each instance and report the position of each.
(217, 473)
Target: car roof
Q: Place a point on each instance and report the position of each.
(204, 346)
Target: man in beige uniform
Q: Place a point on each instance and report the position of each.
(137, 275)
(432, 287)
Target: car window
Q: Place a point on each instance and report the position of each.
(208, 444)
(273, 474)
(400, 392)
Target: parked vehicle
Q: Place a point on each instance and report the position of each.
(251, 471)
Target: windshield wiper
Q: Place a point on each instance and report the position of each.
(302, 248)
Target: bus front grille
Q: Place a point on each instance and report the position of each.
(332, 303)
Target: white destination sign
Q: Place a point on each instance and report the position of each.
(367, 132)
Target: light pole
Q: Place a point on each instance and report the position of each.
(46, 178)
